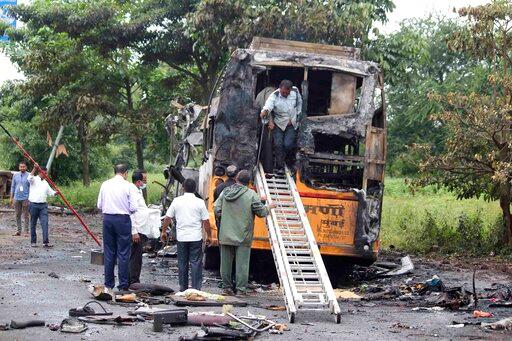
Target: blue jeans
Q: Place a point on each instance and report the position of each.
(38, 211)
(117, 242)
(285, 143)
(190, 253)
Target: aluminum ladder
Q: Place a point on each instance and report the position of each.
(301, 270)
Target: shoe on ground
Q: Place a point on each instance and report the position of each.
(17, 234)
(242, 293)
(228, 292)
(47, 245)
(33, 245)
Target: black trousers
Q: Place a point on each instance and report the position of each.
(136, 259)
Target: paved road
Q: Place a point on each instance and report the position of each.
(27, 292)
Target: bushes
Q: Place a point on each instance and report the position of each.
(431, 231)
(432, 220)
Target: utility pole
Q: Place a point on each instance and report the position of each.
(54, 149)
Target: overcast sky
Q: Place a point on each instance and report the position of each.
(403, 9)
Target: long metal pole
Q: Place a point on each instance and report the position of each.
(45, 176)
(54, 149)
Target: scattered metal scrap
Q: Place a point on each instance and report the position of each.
(22, 324)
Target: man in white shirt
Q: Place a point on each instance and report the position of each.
(38, 207)
(117, 200)
(191, 217)
(140, 228)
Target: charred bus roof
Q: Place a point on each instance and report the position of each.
(343, 103)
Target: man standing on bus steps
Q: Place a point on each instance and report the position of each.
(237, 206)
(283, 108)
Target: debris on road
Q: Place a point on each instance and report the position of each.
(428, 309)
(504, 324)
(479, 313)
(53, 275)
(168, 251)
(22, 324)
(100, 292)
(72, 325)
(172, 317)
(346, 295)
(208, 319)
(87, 310)
(120, 320)
(152, 289)
(275, 307)
(406, 267)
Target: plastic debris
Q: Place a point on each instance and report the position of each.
(187, 293)
(479, 313)
(346, 295)
(505, 324)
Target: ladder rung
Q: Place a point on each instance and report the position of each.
(302, 267)
(297, 236)
(290, 245)
(298, 252)
(301, 259)
(309, 286)
(289, 216)
(305, 276)
(277, 179)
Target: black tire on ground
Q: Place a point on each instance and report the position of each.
(212, 258)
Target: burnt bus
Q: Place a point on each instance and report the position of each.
(341, 141)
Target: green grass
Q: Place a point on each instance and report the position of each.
(433, 219)
(86, 197)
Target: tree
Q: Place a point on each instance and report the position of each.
(477, 159)
(113, 82)
(196, 37)
(62, 76)
(22, 117)
(417, 61)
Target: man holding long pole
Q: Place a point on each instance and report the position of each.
(38, 207)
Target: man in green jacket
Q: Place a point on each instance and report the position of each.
(237, 206)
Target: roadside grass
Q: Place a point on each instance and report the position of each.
(433, 220)
(86, 197)
(427, 220)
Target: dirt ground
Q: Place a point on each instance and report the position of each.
(28, 292)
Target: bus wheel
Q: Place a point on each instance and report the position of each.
(212, 258)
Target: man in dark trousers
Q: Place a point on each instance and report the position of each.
(237, 206)
(140, 227)
(191, 217)
(117, 200)
(40, 190)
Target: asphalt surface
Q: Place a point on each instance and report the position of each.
(28, 292)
